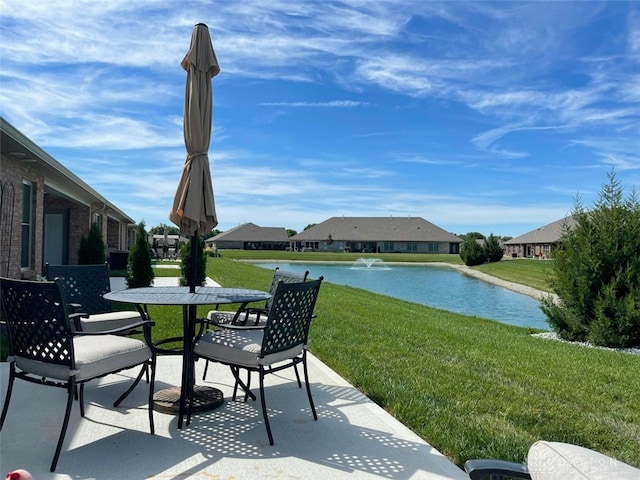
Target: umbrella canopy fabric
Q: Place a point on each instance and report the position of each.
(193, 206)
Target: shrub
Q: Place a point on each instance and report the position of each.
(596, 272)
(139, 269)
(492, 249)
(472, 253)
(92, 248)
(185, 267)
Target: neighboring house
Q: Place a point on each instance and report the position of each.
(250, 236)
(376, 234)
(538, 243)
(45, 209)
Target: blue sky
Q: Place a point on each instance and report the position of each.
(477, 116)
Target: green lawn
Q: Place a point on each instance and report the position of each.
(470, 387)
(534, 273)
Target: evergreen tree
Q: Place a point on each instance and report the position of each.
(596, 272)
(92, 247)
(492, 249)
(185, 267)
(472, 252)
(139, 269)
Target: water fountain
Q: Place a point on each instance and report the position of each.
(368, 263)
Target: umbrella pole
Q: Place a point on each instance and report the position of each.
(194, 263)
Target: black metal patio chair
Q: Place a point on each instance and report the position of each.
(280, 344)
(84, 287)
(44, 348)
(247, 315)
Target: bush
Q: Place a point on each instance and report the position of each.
(185, 267)
(92, 248)
(596, 273)
(472, 253)
(492, 249)
(139, 269)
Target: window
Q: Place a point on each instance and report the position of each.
(412, 246)
(388, 247)
(27, 225)
(432, 247)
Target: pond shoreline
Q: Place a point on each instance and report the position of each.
(516, 287)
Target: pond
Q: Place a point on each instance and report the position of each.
(435, 286)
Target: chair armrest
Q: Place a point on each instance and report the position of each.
(480, 468)
(75, 318)
(115, 331)
(231, 326)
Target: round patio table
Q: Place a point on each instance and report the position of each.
(174, 400)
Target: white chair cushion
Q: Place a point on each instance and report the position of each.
(100, 322)
(95, 356)
(238, 347)
(563, 461)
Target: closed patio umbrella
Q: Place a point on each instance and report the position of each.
(193, 206)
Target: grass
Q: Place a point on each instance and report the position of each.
(260, 255)
(470, 387)
(534, 273)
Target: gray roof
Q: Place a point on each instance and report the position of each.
(380, 229)
(550, 233)
(250, 232)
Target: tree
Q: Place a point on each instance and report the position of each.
(185, 267)
(139, 269)
(92, 248)
(291, 233)
(596, 272)
(492, 249)
(160, 229)
(472, 252)
(473, 236)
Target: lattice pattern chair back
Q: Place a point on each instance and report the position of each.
(37, 322)
(84, 285)
(286, 277)
(290, 316)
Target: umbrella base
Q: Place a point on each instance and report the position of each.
(204, 399)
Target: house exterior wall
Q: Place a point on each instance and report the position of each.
(373, 247)
(14, 172)
(530, 250)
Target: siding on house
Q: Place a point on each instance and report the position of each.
(377, 234)
(250, 236)
(57, 195)
(538, 243)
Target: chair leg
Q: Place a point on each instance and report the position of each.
(5, 408)
(71, 388)
(130, 389)
(295, 369)
(239, 383)
(306, 381)
(264, 406)
(206, 367)
(80, 389)
(151, 387)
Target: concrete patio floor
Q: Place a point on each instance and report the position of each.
(353, 437)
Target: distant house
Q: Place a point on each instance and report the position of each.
(250, 236)
(376, 234)
(538, 243)
(45, 210)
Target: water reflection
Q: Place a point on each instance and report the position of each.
(436, 286)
